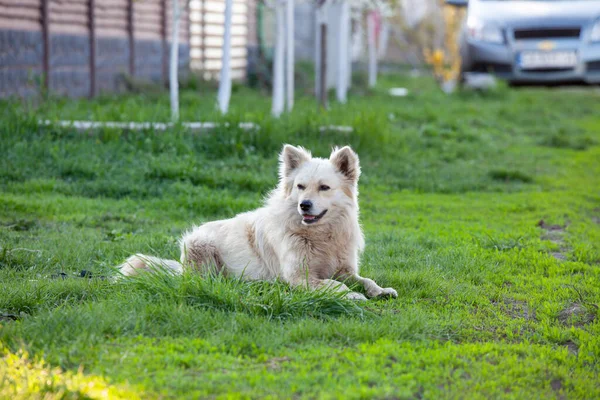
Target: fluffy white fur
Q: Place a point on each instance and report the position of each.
(281, 240)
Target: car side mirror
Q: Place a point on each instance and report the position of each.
(457, 3)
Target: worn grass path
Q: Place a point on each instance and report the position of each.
(482, 210)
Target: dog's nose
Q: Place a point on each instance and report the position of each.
(305, 205)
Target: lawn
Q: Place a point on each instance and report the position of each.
(481, 209)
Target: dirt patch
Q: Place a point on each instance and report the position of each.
(555, 234)
(516, 309)
(559, 256)
(596, 217)
(576, 314)
(507, 284)
(276, 362)
(8, 317)
(21, 225)
(550, 227)
(510, 176)
(556, 384)
(572, 347)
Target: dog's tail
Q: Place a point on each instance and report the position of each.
(140, 262)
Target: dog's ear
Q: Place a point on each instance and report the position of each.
(345, 160)
(291, 158)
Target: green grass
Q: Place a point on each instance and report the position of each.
(492, 303)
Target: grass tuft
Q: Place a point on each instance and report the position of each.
(510, 176)
(272, 300)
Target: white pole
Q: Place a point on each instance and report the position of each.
(349, 51)
(384, 38)
(342, 52)
(333, 27)
(225, 78)
(290, 53)
(278, 89)
(372, 48)
(318, 21)
(174, 63)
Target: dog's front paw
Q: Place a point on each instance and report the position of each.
(356, 296)
(382, 293)
(388, 292)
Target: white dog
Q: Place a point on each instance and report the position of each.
(307, 233)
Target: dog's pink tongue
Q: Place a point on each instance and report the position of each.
(306, 216)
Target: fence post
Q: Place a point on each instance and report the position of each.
(131, 38)
(203, 38)
(92, 36)
(46, 43)
(163, 32)
(323, 67)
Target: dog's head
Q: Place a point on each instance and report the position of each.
(319, 188)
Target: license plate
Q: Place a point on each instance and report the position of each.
(547, 59)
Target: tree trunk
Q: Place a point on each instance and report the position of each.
(174, 63)
(278, 78)
(290, 54)
(225, 78)
(320, 20)
(384, 39)
(372, 48)
(342, 51)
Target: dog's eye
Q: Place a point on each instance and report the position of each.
(324, 187)
(301, 187)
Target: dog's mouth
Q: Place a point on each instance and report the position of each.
(311, 219)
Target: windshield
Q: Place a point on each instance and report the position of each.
(544, 1)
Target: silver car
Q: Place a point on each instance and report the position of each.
(533, 41)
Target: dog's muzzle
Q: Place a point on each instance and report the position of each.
(311, 219)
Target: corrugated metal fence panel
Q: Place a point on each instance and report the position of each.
(81, 47)
(69, 16)
(20, 14)
(21, 47)
(111, 18)
(147, 19)
(206, 37)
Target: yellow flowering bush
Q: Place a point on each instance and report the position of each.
(24, 378)
(446, 62)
